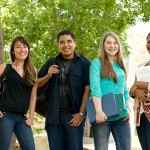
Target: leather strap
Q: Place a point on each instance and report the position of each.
(5, 71)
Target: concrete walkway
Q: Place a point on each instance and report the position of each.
(135, 146)
(90, 145)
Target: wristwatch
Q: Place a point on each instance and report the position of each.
(82, 114)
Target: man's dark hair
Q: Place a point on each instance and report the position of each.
(65, 32)
(148, 35)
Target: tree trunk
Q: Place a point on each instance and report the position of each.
(1, 43)
(13, 142)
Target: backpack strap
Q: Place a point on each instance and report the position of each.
(8, 66)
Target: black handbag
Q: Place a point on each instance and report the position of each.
(2, 83)
(41, 101)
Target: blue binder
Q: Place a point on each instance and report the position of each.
(109, 107)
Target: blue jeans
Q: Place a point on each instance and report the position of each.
(120, 131)
(15, 123)
(63, 136)
(143, 132)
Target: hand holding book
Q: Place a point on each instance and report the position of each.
(110, 104)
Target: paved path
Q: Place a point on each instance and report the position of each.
(135, 146)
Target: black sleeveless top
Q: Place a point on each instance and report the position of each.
(16, 97)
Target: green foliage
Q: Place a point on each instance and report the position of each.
(41, 20)
(39, 128)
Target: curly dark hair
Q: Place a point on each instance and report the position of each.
(148, 36)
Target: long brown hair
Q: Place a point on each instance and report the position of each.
(29, 70)
(107, 70)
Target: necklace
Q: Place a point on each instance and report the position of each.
(20, 70)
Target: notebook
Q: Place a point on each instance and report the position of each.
(119, 102)
(109, 107)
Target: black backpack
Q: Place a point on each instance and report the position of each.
(41, 101)
(41, 97)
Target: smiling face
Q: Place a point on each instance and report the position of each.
(111, 46)
(20, 50)
(66, 46)
(148, 44)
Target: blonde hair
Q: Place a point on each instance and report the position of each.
(107, 70)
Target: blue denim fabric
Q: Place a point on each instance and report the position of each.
(63, 136)
(143, 132)
(120, 131)
(15, 123)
